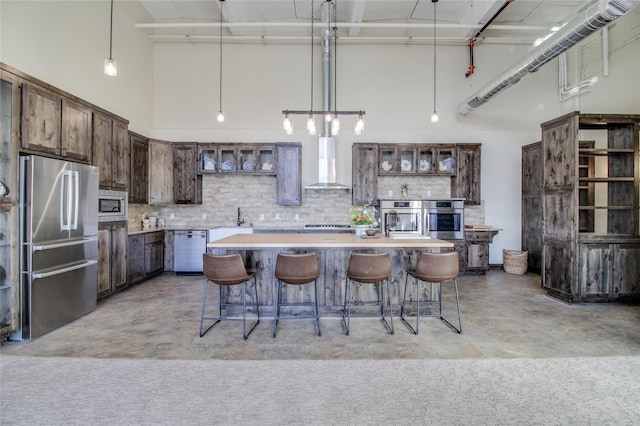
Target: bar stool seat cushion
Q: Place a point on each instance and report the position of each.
(297, 268)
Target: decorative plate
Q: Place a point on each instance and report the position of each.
(3, 189)
(425, 166)
(405, 165)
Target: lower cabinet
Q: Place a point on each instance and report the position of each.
(477, 250)
(145, 256)
(608, 271)
(112, 257)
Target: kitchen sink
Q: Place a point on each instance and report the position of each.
(223, 232)
(408, 236)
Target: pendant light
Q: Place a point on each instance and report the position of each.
(434, 116)
(331, 116)
(220, 117)
(110, 67)
(311, 123)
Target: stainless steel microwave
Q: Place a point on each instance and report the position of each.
(112, 205)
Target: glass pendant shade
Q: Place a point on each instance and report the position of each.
(335, 126)
(311, 125)
(434, 117)
(220, 117)
(110, 67)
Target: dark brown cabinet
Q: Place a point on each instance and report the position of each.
(288, 175)
(112, 257)
(76, 131)
(135, 259)
(595, 256)
(187, 183)
(364, 173)
(41, 119)
(466, 181)
(145, 256)
(532, 204)
(477, 249)
(110, 151)
(138, 169)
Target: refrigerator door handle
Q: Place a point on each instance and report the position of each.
(65, 244)
(69, 200)
(63, 270)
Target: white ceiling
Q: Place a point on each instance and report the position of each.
(521, 21)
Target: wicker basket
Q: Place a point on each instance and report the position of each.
(514, 261)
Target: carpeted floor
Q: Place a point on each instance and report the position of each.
(523, 359)
(558, 391)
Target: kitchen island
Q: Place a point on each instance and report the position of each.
(260, 252)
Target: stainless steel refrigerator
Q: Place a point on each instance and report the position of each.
(59, 245)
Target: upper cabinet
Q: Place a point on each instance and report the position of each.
(55, 125)
(364, 173)
(398, 159)
(288, 174)
(187, 184)
(110, 151)
(138, 169)
(76, 131)
(160, 172)
(41, 119)
(233, 158)
(466, 181)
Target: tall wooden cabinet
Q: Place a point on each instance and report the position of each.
(466, 181)
(532, 204)
(579, 264)
(161, 172)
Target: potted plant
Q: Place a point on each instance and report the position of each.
(363, 218)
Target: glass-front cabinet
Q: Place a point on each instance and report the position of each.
(425, 160)
(444, 159)
(207, 158)
(397, 160)
(266, 155)
(8, 212)
(228, 158)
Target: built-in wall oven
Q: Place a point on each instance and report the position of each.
(444, 219)
(401, 217)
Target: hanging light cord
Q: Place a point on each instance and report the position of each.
(312, 17)
(434, 55)
(335, 56)
(221, 1)
(111, 33)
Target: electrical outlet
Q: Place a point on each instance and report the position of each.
(297, 216)
(204, 216)
(277, 216)
(261, 216)
(172, 216)
(391, 193)
(429, 193)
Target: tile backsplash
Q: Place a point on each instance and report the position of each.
(223, 194)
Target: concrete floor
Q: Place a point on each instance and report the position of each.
(504, 316)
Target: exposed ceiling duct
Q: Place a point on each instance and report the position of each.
(326, 142)
(593, 19)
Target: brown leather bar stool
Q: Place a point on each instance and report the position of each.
(368, 268)
(296, 269)
(228, 270)
(433, 268)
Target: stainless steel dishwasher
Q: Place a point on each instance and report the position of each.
(187, 251)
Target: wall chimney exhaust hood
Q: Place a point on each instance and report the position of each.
(327, 166)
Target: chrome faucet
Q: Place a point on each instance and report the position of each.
(240, 221)
(386, 221)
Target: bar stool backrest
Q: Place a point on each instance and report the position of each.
(297, 268)
(224, 269)
(369, 267)
(437, 267)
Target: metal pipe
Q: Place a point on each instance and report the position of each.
(590, 21)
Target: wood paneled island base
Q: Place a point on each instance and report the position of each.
(260, 252)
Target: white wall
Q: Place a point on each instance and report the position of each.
(170, 91)
(65, 43)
